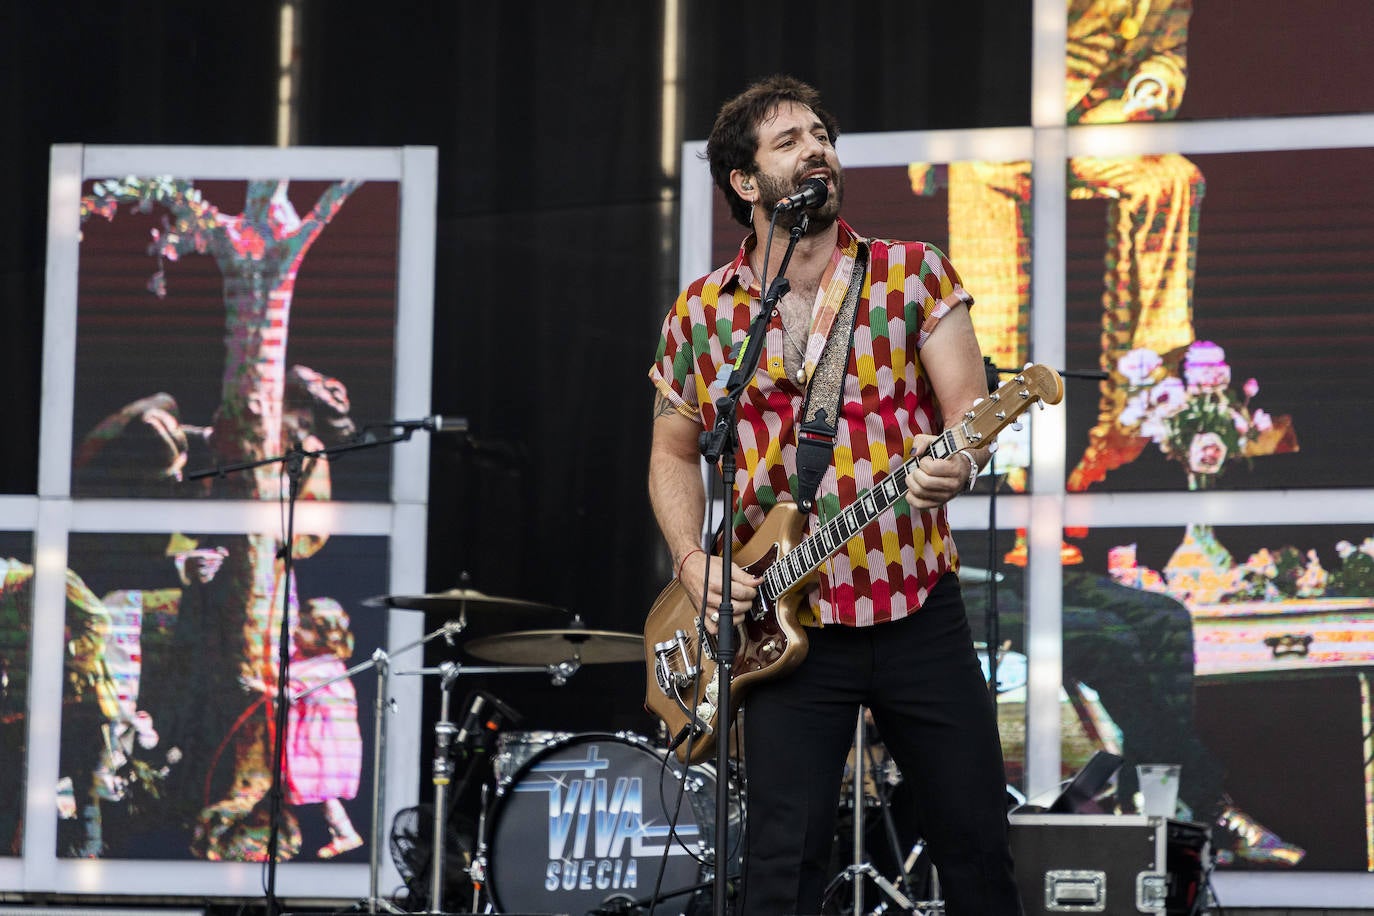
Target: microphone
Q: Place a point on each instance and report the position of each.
(434, 423)
(812, 195)
(485, 713)
(442, 424)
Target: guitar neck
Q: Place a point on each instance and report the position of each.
(829, 538)
(978, 427)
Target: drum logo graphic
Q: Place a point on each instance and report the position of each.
(597, 832)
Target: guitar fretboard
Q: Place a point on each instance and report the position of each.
(977, 427)
(827, 540)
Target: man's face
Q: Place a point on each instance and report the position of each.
(793, 146)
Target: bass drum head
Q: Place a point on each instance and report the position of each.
(584, 820)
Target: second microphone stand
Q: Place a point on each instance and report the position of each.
(293, 465)
(993, 633)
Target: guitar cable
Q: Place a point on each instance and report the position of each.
(682, 775)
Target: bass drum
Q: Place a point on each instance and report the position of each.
(515, 748)
(588, 819)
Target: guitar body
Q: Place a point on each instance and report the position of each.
(770, 641)
(679, 655)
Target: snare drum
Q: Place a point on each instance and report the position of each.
(588, 817)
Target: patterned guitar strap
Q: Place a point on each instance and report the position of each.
(820, 413)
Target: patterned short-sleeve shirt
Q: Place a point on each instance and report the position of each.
(886, 571)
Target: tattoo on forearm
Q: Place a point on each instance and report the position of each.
(662, 406)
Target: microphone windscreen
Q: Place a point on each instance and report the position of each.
(820, 188)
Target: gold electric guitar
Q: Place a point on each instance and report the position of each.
(680, 654)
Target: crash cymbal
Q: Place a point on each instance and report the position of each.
(550, 647)
(456, 600)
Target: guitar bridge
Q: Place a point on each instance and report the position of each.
(677, 675)
(672, 668)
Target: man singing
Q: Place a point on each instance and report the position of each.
(885, 617)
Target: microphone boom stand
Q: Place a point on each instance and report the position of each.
(718, 447)
(293, 464)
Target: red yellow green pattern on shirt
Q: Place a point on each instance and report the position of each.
(886, 571)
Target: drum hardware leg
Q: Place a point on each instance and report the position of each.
(478, 869)
(912, 857)
(380, 712)
(855, 874)
(890, 830)
(934, 904)
(861, 869)
(444, 731)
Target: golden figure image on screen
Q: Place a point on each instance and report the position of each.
(1126, 61)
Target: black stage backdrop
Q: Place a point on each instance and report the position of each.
(556, 243)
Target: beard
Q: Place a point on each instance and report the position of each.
(773, 189)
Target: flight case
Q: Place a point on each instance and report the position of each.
(1116, 864)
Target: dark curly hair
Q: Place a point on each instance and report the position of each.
(734, 139)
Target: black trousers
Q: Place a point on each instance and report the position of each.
(921, 678)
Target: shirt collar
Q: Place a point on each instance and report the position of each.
(847, 242)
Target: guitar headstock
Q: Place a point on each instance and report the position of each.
(1035, 383)
(1041, 382)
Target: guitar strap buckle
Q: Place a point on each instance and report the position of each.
(821, 411)
(815, 446)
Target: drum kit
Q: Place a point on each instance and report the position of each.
(577, 823)
(594, 823)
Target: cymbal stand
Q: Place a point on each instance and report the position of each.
(382, 706)
(442, 769)
(477, 871)
(380, 710)
(444, 730)
(861, 868)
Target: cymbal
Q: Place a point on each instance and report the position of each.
(456, 600)
(549, 647)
